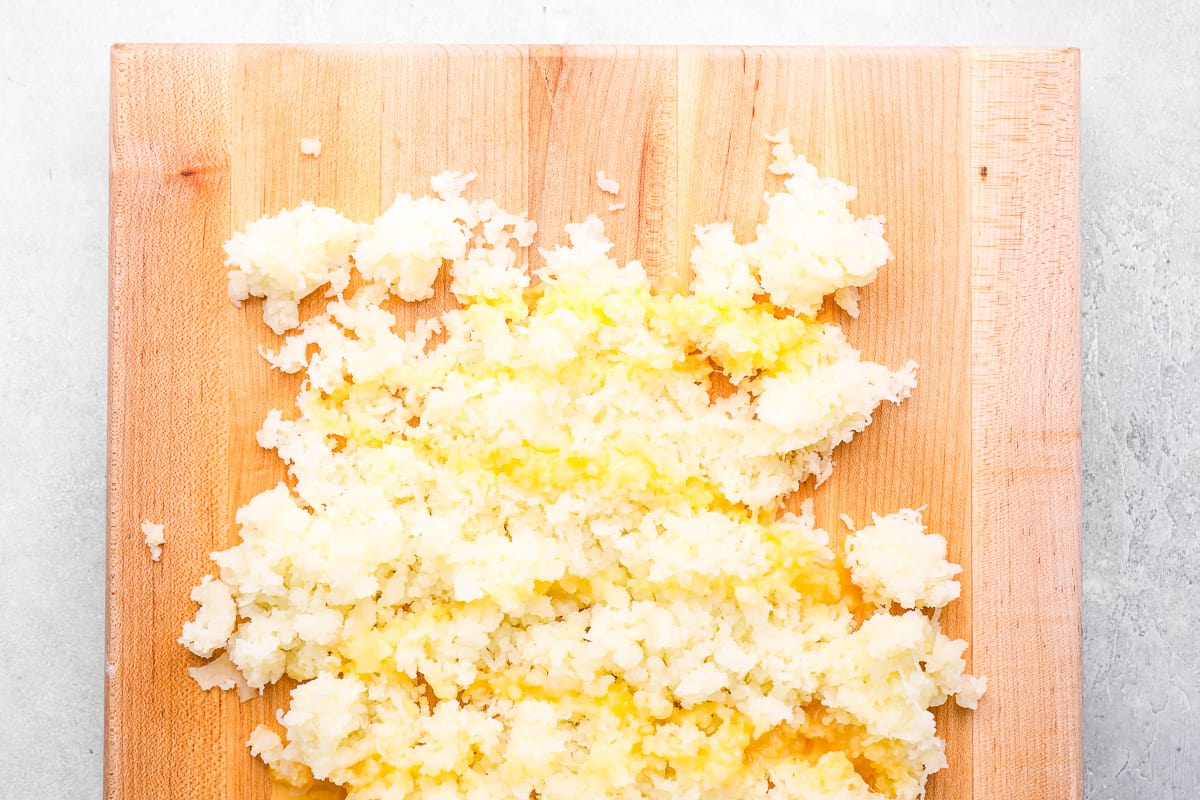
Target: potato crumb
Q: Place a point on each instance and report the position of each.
(847, 299)
(616, 206)
(154, 537)
(220, 673)
(266, 744)
(607, 184)
(215, 620)
(310, 147)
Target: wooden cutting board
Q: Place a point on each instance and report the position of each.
(972, 155)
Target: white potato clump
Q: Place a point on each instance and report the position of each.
(220, 673)
(214, 622)
(810, 245)
(287, 257)
(607, 184)
(544, 554)
(896, 561)
(405, 247)
(155, 538)
(310, 146)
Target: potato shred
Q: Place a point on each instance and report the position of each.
(528, 549)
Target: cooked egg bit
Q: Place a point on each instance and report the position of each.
(542, 555)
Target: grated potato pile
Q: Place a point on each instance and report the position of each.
(529, 550)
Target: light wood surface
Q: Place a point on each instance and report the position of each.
(972, 155)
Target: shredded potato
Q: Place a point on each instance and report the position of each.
(543, 555)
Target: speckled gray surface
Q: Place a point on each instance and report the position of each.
(1141, 261)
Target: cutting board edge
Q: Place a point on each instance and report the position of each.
(1026, 433)
(121, 49)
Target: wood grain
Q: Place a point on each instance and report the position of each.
(983, 294)
(906, 168)
(169, 422)
(1025, 381)
(610, 109)
(459, 108)
(334, 97)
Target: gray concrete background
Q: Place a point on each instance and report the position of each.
(1141, 255)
